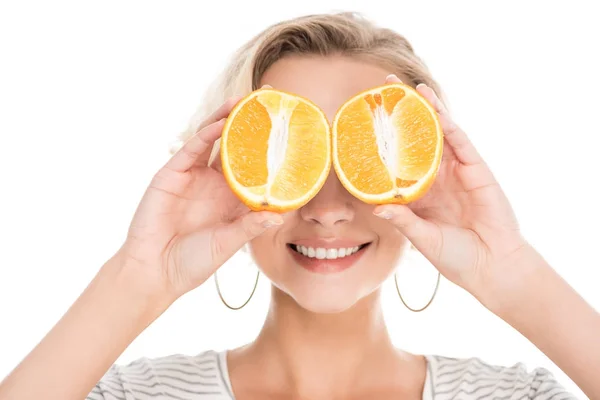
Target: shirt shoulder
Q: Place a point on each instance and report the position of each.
(472, 378)
(176, 376)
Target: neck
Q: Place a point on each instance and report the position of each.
(297, 349)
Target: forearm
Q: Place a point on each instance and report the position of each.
(548, 312)
(75, 354)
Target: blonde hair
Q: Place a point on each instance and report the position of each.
(346, 33)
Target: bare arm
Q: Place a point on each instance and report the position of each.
(186, 226)
(75, 354)
(467, 229)
(546, 310)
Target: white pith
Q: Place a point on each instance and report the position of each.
(278, 138)
(387, 140)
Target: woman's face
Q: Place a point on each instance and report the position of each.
(334, 223)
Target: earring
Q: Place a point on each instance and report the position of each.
(437, 284)
(225, 301)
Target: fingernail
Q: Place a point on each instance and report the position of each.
(175, 146)
(384, 214)
(269, 223)
(421, 85)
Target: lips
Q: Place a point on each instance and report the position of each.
(327, 256)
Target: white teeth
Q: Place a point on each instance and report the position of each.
(322, 253)
(332, 254)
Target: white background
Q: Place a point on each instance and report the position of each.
(92, 94)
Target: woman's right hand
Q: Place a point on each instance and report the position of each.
(189, 222)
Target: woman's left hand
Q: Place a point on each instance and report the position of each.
(464, 225)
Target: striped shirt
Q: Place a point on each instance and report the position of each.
(205, 377)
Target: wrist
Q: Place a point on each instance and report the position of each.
(504, 286)
(136, 282)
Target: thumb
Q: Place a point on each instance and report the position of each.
(423, 234)
(229, 238)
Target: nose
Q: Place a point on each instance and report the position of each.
(332, 206)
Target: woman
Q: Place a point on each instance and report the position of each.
(324, 336)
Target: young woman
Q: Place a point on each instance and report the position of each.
(324, 337)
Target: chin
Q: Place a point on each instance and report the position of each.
(325, 297)
(326, 304)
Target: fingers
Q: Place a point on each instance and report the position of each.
(457, 139)
(392, 78)
(423, 234)
(231, 237)
(196, 151)
(216, 163)
(220, 113)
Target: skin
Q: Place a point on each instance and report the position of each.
(316, 315)
(188, 224)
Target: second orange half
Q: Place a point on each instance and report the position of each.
(387, 145)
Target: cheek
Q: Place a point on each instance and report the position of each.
(269, 252)
(390, 236)
(262, 246)
(271, 243)
(391, 246)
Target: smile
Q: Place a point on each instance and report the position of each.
(337, 257)
(322, 253)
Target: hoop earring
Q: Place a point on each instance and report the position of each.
(437, 284)
(245, 250)
(225, 301)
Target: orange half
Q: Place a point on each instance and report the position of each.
(387, 145)
(276, 150)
